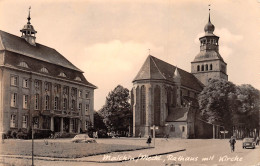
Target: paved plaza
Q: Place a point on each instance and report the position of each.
(194, 152)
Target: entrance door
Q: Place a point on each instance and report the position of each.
(56, 124)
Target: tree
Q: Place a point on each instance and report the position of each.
(116, 111)
(99, 122)
(214, 102)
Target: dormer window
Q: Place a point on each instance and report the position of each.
(62, 74)
(23, 64)
(44, 70)
(78, 79)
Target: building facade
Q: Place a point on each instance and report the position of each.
(40, 88)
(166, 96)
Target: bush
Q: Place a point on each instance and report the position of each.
(13, 134)
(21, 135)
(102, 134)
(42, 133)
(8, 134)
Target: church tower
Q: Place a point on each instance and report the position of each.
(209, 63)
(28, 32)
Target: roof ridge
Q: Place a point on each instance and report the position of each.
(157, 67)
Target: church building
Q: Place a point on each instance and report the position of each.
(40, 88)
(165, 96)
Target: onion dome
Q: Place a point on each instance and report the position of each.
(209, 27)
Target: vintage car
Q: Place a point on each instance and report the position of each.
(83, 138)
(248, 143)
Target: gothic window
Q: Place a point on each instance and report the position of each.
(202, 68)
(210, 67)
(143, 105)
(157, 105)
(198, 68)
(207, 67)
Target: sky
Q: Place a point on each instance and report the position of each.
(109, 40)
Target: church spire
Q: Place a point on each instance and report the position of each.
(28, 32)
(29, 16)
(209, 27)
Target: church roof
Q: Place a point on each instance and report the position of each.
(156, 69)
(178, 115)
(208, 55)
(18, 45)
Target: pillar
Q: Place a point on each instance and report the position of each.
(148, 109)
(70, 126)
(61, 124)
(134, 112)
(52, 123)
(79, 124)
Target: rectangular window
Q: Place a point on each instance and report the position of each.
(47, 102)
(87, 125)
(25, 122)
(80, 94)
(12, 121)
(56, 102)
(73, 91)
(66, 90)
(87, 95)
(47, 86)
(80, 106)
(37, 84)
(13, 99)
(65, 102)
(73, 105)
(86, 109)
(37, 101)
(14, 80)
(25, 83)
(25, 101)
(183, 129)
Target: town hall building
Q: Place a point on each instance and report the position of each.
(165, 96)
(40, 88)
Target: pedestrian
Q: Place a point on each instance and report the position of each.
(257, 140)
(149, 140)
(232, 142)
(140, 135)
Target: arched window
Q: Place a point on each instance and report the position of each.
(198, 68)
(78, 79)
(157, 105)
(207, 67)
(143, 105)
(44, 70)
(23, 64)
(210, 67)
(202, 68)
(62, 74)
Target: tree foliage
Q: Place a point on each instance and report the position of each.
(116, 111)
(214, 101)
(99, 122)
(222, 102)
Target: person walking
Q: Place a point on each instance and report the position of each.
(140, 135)
(232, 142)
(257, 140)
(149, 140)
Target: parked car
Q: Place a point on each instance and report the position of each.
(248, 143)
(83, 138)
